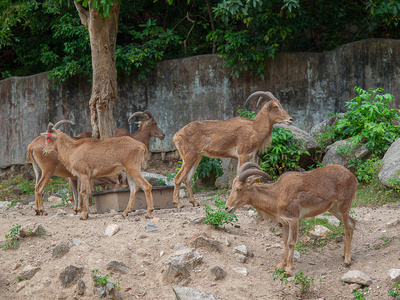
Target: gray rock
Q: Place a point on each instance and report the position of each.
(26, 201)
(179, 246)
(199, 220)
(110, 289)
(356, 276)
(242, 271)
(4, 204)
(112, 229)
(203, 240)
(27, 273)
(101, 292)
(296, 254)
(241, 258)
(153, 176)
(117, 266)
(394, 275)
(31, 230)
(77, 242)
(390, 168)
(217, 273)
(229, 166)
(70, 275)
(151, 227)
(60, 250)
(323, 127)
(80, 287)
(62, 296)
(333, 156)
(242, 249)
(320, 231)
(186, 293)
(179, 264)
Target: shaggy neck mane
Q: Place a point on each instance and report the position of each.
(263, 127)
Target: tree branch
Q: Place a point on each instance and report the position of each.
(83, 14)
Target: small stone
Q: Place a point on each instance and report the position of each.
(27, 273)
(242, 249)
(31, 230)
(16, 266)
(334, 222)
(54, 199)
(141, 252)
(394, 275)
(162, 253)
(199, 220)
(296, 254)
(141, 273)
(60, 250)
(151, 227)
(353, 287)
(356, 276)
(217, 273)
(77, 242)
(252, 213)
(70, 275)
(186, 293)
(47, 282)
(320, 231)
(227, 242)
(113, 212)
(241, 258)
(111, 229)
(393, 223)
(101, 292)
(20, 286)
(117, 266)
(80, 287)
(242, 271)
(179, 246)
(62, 296)
(203, 240)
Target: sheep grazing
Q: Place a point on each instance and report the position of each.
(91, 158)
(296, 196)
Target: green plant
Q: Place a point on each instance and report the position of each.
(283, 154)
(307, 241)
(65, 194)
(27, 187)
(370, 120)
(13, 202)
(160, 181)
(100, 280)
(395, 291)
(304, 281)
(12, 237)
(208, 167)
(359, 295)
(218, 216)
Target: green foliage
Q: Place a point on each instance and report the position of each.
(12, 237)
(370, 120)
(246, 33)
(395, 291)
(100, 280)
(359, 295)
(306, 241)
(304, 281)
(247, 113)
(208, 167)
(218, 217)
(27, 187)
(160, 181)
(283, 154)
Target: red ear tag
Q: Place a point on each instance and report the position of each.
(49, 134)
(48, 139)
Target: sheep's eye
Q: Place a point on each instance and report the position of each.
(238, 190)
(276, 106)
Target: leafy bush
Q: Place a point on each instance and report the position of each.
(218, 216)
(283, 154)
(370, 120)
(208, 167)
(395, 291)
(304, 281)
(12, 237)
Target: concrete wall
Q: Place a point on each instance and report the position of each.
(309, 85)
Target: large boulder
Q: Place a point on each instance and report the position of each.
(305, 141)
(390, 168)
(320, 128)
(333, 156)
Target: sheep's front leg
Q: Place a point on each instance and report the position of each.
(132, 195)
(85, 191)
(285, 234)
(292, 239)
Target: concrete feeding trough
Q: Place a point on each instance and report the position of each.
(118, 199)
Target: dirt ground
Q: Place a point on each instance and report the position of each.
(94, 250)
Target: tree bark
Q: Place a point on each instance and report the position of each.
(103, 38)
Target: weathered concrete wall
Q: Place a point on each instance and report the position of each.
(309, 85)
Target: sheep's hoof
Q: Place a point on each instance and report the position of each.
(347, 265)
(44, 213)
(84, 217)
(124, 214)
(195, 203)
(148, 216)
(179, 205)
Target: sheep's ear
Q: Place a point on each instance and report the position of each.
(253, 179)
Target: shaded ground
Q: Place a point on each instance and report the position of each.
(262, 239)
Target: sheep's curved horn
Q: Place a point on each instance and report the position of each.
(261, 94)
(59, 123)
(148, 113)
(138, 114)
(248, 165)
(248, 173)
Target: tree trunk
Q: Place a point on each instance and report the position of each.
(103, 38)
